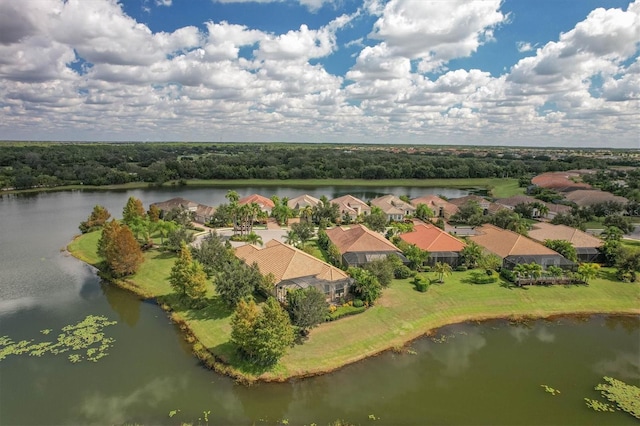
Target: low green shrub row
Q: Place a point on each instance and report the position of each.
(483, 278)
(344, 311)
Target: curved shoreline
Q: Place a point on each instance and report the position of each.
(390, 332)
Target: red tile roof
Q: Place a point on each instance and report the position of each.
(263, 202)
(432, 239)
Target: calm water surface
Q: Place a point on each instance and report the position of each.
(486, 373)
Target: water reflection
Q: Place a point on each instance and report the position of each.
(101, 408)
(126, 305)
(453, 347)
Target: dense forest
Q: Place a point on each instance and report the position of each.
(29, 165)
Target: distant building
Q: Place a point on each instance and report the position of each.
(201, 213)
(266, 205)
(439, 207)
(302, 201)
(351, 206)
(393, 207)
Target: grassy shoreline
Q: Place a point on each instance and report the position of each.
(401, 315)
(498, 187)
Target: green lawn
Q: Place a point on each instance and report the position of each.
(401, 315)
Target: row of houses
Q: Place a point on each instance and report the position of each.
(358, 245)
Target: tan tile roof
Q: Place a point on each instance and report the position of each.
(390, 204)
(546, 231)
(517, 199)
(359, 238)
(303, 201)
(351, 204)
(588, 197)
(433, 239)
(463, 200)
(263, 202)
(507, 243)
(286, 262)
(435, 203)
(483, 202)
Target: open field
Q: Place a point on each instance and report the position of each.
(497, 187)
(401, 315)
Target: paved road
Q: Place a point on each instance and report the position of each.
(266, 234)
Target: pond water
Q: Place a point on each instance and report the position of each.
(489, 373)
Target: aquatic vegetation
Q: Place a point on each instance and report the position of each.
(550, 390)
(87, 336)
(625, 396)
(173, 413)
(596, 405)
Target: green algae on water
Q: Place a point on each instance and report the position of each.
(84, 340)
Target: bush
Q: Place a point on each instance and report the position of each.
(461, 268)
(402, 272)
(357, 303)
(508, 275)
(344, 311)
(483, 278)
(422, 286)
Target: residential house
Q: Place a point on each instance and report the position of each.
(302, 201)
(201, 213)
(514, 248)
(294, 269)
(440, 208)
(589, 197)
(587, 246)
(442, 247)
(393, 207)
(553, 209)
(265, 203)
(351, 207)
(359, 245)
(487, 206)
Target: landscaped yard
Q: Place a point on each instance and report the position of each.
(402, 314)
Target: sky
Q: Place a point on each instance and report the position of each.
(553, 73)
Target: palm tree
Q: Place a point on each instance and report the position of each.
(471, 254)
(253, 238)
(307, 213)
(442, 269)
(291, 238)
(588, 271)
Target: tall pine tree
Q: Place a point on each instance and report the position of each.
(188, 278)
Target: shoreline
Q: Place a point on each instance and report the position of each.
(459, 183)
(288, 369)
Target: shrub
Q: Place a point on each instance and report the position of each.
(508, 275)
(344, 311)
(357, 303)
(422, 286)
(483, 278)
(402, 272)
(461, 268)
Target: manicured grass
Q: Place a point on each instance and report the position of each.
(401, 315)
(503, 188)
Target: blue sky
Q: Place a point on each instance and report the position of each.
(486, 72)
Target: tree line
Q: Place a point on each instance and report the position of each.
(55, 164)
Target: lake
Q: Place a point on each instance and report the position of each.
(487, 373)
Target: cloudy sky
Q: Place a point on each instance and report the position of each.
(511, 72)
